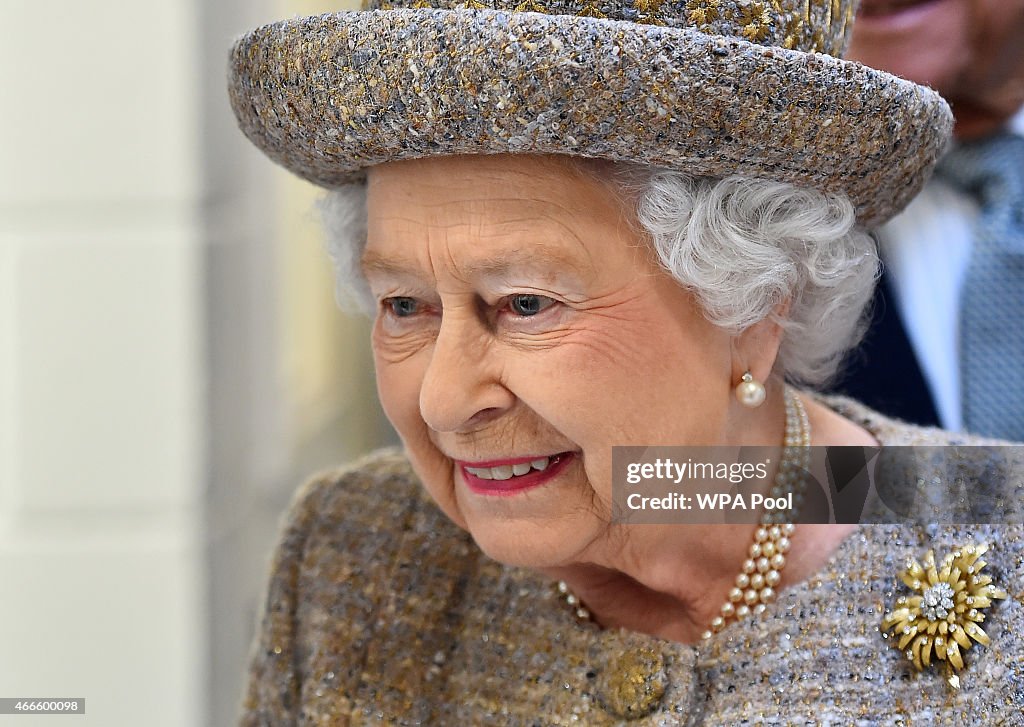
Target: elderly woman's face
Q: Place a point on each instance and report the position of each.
(523, 330)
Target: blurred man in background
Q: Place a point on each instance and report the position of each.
(946, 345)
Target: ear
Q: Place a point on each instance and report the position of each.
(757, 348)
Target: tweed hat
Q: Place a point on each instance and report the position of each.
(709, 87)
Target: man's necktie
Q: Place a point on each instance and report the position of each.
(992, 301)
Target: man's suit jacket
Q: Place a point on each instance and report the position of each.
(883, 372)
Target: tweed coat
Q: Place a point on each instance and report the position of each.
(381, 611)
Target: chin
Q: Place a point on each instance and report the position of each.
(928, 65)
(527, 545)
(928, 43)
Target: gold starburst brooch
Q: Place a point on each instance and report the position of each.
(942, 619)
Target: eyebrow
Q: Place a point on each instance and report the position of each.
(494, 266)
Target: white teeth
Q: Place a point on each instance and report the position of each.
(505, 471)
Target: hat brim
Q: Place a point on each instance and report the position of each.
(329, 96)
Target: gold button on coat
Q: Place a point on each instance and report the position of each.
(632, 684)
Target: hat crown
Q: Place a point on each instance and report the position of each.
(805, 25)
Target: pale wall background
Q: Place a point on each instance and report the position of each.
(171, 364)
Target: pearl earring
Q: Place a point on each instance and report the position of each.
(750, 391)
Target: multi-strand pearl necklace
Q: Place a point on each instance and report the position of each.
(761, 572)
(754, 587)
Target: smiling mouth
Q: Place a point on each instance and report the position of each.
(878, 8)
(504, 477)
(508, 471)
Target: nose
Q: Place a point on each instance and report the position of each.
(462, 388)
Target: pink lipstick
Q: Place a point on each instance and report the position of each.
(506, 477)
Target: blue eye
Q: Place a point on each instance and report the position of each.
(526, 304)
(402, 307)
